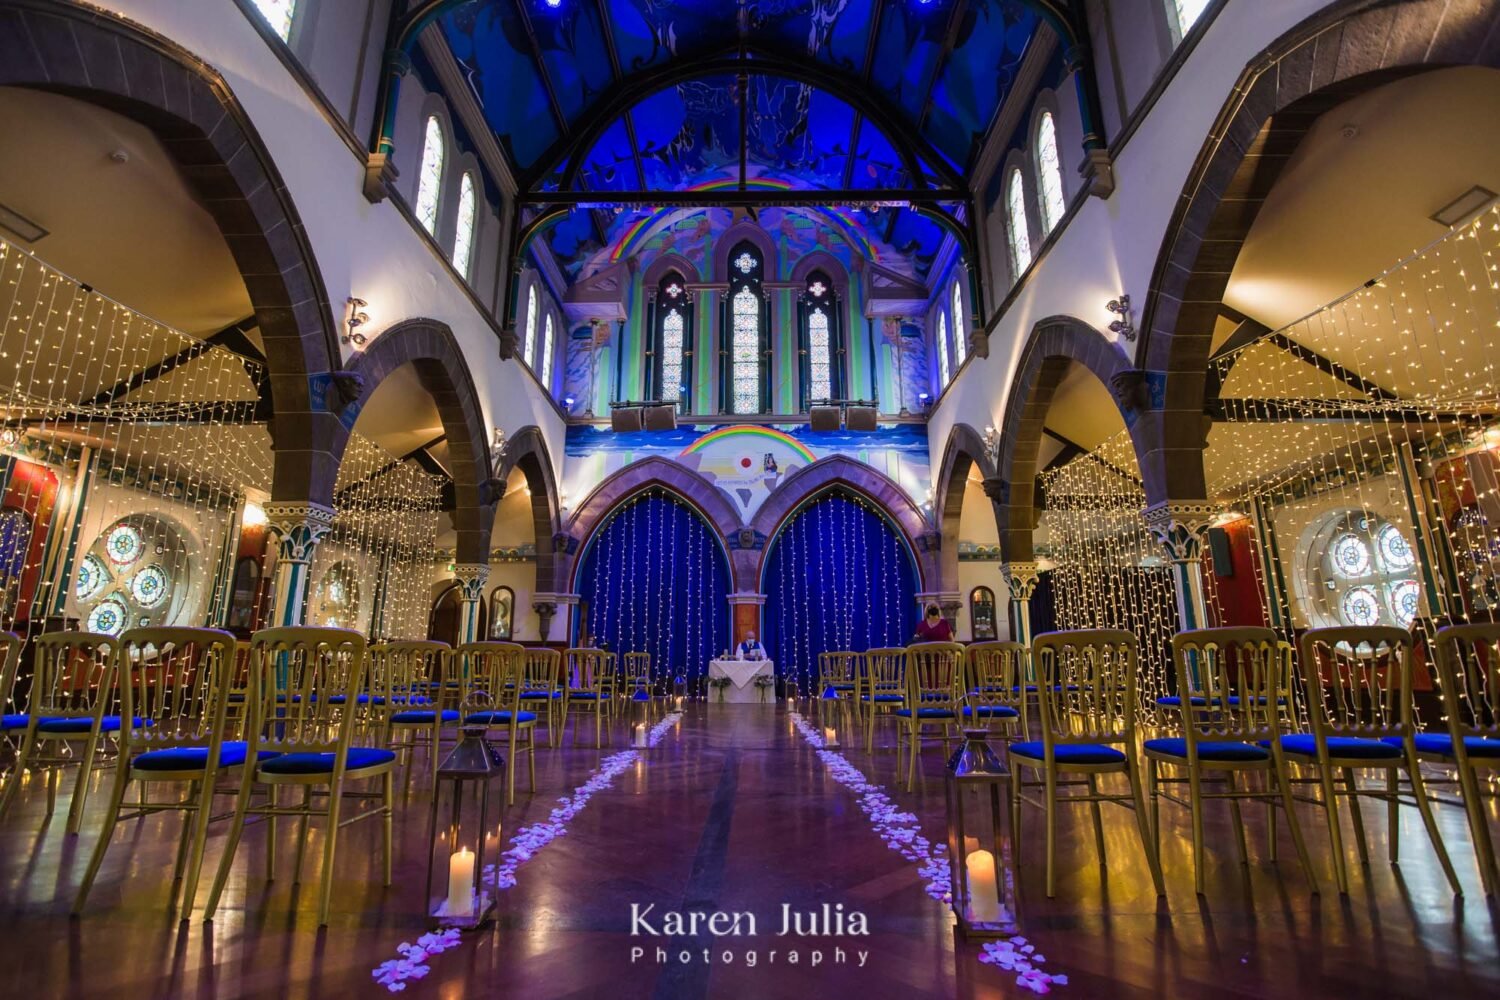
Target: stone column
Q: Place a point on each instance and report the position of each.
(545, 610)
(299, 526)
(1182, 528)
(1020, 579)
(470, 578)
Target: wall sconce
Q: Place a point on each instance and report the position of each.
(1124, 326)
(498, 444)
(991, 439)
(354, 318)
(11, 434)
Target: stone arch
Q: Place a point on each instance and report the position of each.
(825, 474)
(732, 237)
(822, 260)
(710, 502)
(964, 450)
(431, 349)
(665, 262)
(526, 450)
(1054, 344)
(1324, 61)
(68, 49)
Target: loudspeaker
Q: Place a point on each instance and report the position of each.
(661, 418)
(823, 418)
(1218, 545)
(625, 418)
(860, 418)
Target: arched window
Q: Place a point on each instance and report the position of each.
(1185, 14)
(744, 372)
(1016, 225)
(942, 351)
(430, 175)
(671, 344)
(337, 596)
(279, 14)
(822, 332)
(1359, 569)
(529, 345)
(960, 337)
(463, 238)
(135, 574)
(502, 612)
(1049, 173)
(545, 372)
(982, 614)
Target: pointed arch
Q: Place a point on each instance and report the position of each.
(965, 450)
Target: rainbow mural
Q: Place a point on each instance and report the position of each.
(746, 431)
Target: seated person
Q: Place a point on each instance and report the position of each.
(934, 627)
(750, 649)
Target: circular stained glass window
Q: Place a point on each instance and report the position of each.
(1360, 606)
(149, 586)
(1351, 556)
(92, 576)
(108, 616)
(1405, 595)
(1395, 551)
(124, 544)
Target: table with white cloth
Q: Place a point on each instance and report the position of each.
(741, 688)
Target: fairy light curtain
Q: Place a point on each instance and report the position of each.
(838, 577)
(655, 580)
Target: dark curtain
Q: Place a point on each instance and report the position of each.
(838, 578)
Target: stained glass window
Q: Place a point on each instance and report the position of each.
(1395, 551)
(745, 262)
(1016, 225)
(819, 356)
(672, 335)
(1405, 596)
(463, 239)
(942, 350)
(546, 369)
(279, 15)
(92, 576)
(430, 175)
(960, 338)
(670, 341)
(745, 350)
(1351, 556)
(149, 586)
(529, 348)
(1360, 570)
(1360, 606)
(123, 545)
(117, 588)
(1049, 173)
(109, 616)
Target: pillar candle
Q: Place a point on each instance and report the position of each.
(984, 893)
(830, 738)
(461, 883)
(640, 734)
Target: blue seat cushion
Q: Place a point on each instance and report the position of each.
(1175, 701)
(500, 718)
(586, 695)
(1348, 747)
(927, 713)
(1176, 746)
(108, 724)
(993, 711)
(419, 716)
(364, 699)
(411, 699)
(322, 763)
(842, 686)
(540, 695)
(1442, 743)
(885, 697)
(1070, 753)
(15, 722)
(641, 695)
(231, 754)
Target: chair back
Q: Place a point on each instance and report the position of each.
(1085, 682)
(637, 671)
(835, 668)
(74, 676)
(1241, 677)
(886, 670)
(305, 687)
(10, 667)
(1468, 659)
(176, 682)
(1358, 681)
(494, 668)
(997, 677)
(407, 674)
(540, 667)
(934, 675)
(587, 669)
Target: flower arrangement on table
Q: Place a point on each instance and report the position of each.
(719, 684)
(763, 684)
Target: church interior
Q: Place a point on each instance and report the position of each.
(750, 498)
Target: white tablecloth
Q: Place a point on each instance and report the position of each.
(741, 674)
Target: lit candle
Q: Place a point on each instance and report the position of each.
(640, 734)
(984, 892)
(830, 738)
(461, 883)
(679, 703)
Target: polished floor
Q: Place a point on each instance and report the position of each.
(734, 811)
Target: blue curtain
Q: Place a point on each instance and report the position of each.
(656, 581)
(838, 578)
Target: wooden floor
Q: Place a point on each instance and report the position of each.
(733, 811)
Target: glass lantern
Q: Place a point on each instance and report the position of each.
(979, 848)
(466, 905)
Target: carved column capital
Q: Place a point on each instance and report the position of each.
(470, 578)
(300, 525)
(1181, 526)
(1021, 578)
(997, 489)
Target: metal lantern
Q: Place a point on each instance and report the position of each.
(466, 905)
(979, 849)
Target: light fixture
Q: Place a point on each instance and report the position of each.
(1228, 517)
(568, 400)
(10, 435)
(355, 317)
(497, 446)
(255, 514)
(991, 438)
(1124, 326)
(1464, 207)
(924, 396)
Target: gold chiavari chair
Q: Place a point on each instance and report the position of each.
(587, 686)
(11, 716)
(1237, 730)
(1086, 707)
(407, 679)
(996, 688)
(836, 682)
(175, 683)
(884, 688)
(73, 699)
(635, 683)
(539, 688)
(306, 711)
(498, 668)
(1362, 715)
(1468, 660)
(934, 689)
(239, 681)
